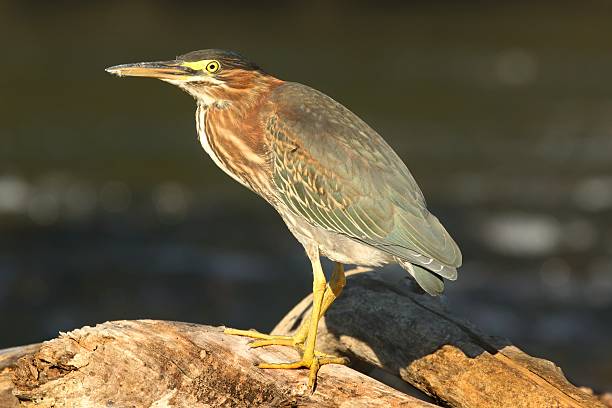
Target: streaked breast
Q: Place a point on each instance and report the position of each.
(229, 151)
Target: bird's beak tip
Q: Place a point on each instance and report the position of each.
(113, 71)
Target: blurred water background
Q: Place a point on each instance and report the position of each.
(109, 209)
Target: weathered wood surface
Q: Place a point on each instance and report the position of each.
(390, 331)
(166, 364)
(8, 361)
(385, 325)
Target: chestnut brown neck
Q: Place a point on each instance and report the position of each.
(232, 131)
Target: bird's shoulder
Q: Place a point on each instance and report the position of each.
(305, 118)
(317, 114)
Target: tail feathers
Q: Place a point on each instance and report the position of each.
(434, 266)
(427, 280)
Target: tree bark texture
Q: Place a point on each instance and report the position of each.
(392, 333)
(148, 363)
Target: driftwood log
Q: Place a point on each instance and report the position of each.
(392, 333)
(167, 364)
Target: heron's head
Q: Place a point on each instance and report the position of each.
(209, 75)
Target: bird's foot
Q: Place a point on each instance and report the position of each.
(262, 339)
(297, 342)
(312, 364)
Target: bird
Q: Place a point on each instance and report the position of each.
(342, 191)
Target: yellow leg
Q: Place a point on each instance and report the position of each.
(332, 291)
(323, 296)
(310, 358)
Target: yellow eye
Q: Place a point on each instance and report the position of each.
(213, 66)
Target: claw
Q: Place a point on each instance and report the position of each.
(273, 342)
(264, 339)
(312, 365)
(254, 334)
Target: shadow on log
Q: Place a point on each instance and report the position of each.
(391, 332)
(394, 332)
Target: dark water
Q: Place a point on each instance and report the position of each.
(109, 208)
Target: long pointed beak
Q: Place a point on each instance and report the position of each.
(174, 70)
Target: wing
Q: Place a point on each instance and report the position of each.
(334, 170)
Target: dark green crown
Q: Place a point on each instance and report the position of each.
(228, 59)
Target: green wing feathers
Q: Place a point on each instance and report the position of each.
(334, 170)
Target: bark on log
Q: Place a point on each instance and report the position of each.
(388, 329)
(8, 361)
(166, 364)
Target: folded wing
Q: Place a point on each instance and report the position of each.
(334, 170)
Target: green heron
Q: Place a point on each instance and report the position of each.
(340, 188)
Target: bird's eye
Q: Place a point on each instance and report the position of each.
(212, 66)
